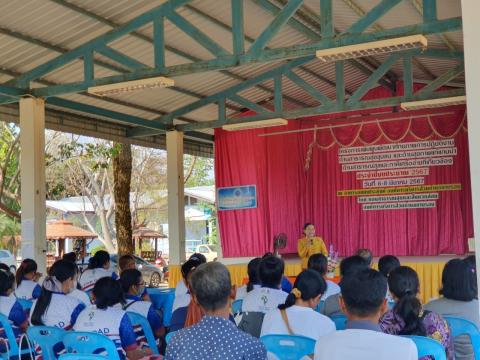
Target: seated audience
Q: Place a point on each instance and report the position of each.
(70, 256)
(181, 288)
(182, 300)
(386, 264)
(348, 266)
(76, 292)
(286, 285)
(54, 307)
(214, 337)
(363, 301)
(27, 280)
(298, 316)
(133, 288)
(471, 260)
(367, 255)
(98, 267)
(10, 307)
(319, 263)
(253, 279)
(108, 319)
(459, 290)
(408, 317)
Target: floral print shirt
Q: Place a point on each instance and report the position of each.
(435, 326)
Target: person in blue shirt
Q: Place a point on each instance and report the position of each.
(27, 280)
(10, 307)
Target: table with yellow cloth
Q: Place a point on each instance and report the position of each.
(429, 273)
(305, 249)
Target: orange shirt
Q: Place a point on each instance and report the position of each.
(307, 248)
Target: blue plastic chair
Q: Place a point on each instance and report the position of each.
(237, 306)
(139, 320)
(46, 337)
(26, 304)
(340, 321)
(428, 347)
(320, 306)
(460, 326)
(169, 336)
(288, 347)
(162, 299)
(81, 357)
(89, 343)
(13, 349)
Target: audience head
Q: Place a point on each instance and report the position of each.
(60, 279)
(270, 271)
(459, 281)
(188, 267)
(71, 256)
(26, 271)
(7, 281)
(5, 267)
(366, 254)
(352, 264)
(388, 263)
(101, 259)
(318, 263)
(404, 286)
(363, 295)
(307, 290)
(126, 262)
(132, 282)
(211, 287)
(107, 292)
(199, 257)
(309, 230)
(253, 278)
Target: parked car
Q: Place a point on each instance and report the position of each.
(209, 250)
(152, 275)
(7, 258)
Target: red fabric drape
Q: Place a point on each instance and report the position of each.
(289, 195)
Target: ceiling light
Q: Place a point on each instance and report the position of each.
(433, 103)
(128, 86)
(255, 124)
(372, 48)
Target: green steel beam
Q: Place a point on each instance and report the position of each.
(326, 18)
(407, 77)
(277, 97)
(238, 31)
(429, 10)
(373, 15)
(222, 114)
(340, 79)
(11, 91)
(320, 110)
(120, 58)
(159, 41)
(442, 80)
(248, 104)
(309, 89)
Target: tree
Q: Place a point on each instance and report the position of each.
(122, 175)
(9, 170)
(198, 171)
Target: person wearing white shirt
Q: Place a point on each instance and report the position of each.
(183, 299)
(363, 301)
(253, 279)
(297, 316)
(98, 267)
(319, 263)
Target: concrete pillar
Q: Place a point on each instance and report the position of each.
(32, 172)
(176, 198)
(471, 29)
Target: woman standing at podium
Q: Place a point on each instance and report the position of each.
(310, 244)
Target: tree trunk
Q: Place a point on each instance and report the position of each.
(122, 175)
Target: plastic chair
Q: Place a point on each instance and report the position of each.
(237, 306)
(162, 299)
(46, 337)
(139, 320)
(288, 347)
(89, 343)
(340, 321)
(13, 349)
(26, 304)
(460, 326)
(169, 336)
(81, 357)
(320, 306)
(428, 347)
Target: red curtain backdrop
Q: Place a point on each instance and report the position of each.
(290, 195)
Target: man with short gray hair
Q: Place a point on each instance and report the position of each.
(215, 336)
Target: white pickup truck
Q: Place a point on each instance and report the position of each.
(209, 250)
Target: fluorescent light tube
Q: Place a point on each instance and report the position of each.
(255, 124)
(128, 86)
(433, 103)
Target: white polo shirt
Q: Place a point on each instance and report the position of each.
(263, 300)
(242, 291)
(364, 345)
(332, 289)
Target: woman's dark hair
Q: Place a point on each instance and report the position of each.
(5, 267)
(71, 256)
(99, 260)
(108, 292)
(352, 264)
(270, 271)
(26, 267)
(310, 284)
(129, 278)
(318, 263)
(404, 284)
(253, 278)
(62, 270)
(459, 281)
(388, 263)
(198, 256)
(188, 266)
(7, 279)
(306, 225)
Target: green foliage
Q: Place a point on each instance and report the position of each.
(202, 172)
(97, 248)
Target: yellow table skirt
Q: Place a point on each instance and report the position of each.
(429, 273)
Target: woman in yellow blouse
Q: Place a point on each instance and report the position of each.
(310, 244)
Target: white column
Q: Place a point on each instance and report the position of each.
(32, 172)
(471, 30)
(176, 198)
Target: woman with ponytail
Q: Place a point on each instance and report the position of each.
(98, 267)
(27, 280)
(408, 316)
(253, 279)
(297, 316)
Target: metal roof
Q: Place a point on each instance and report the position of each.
(33, 32)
